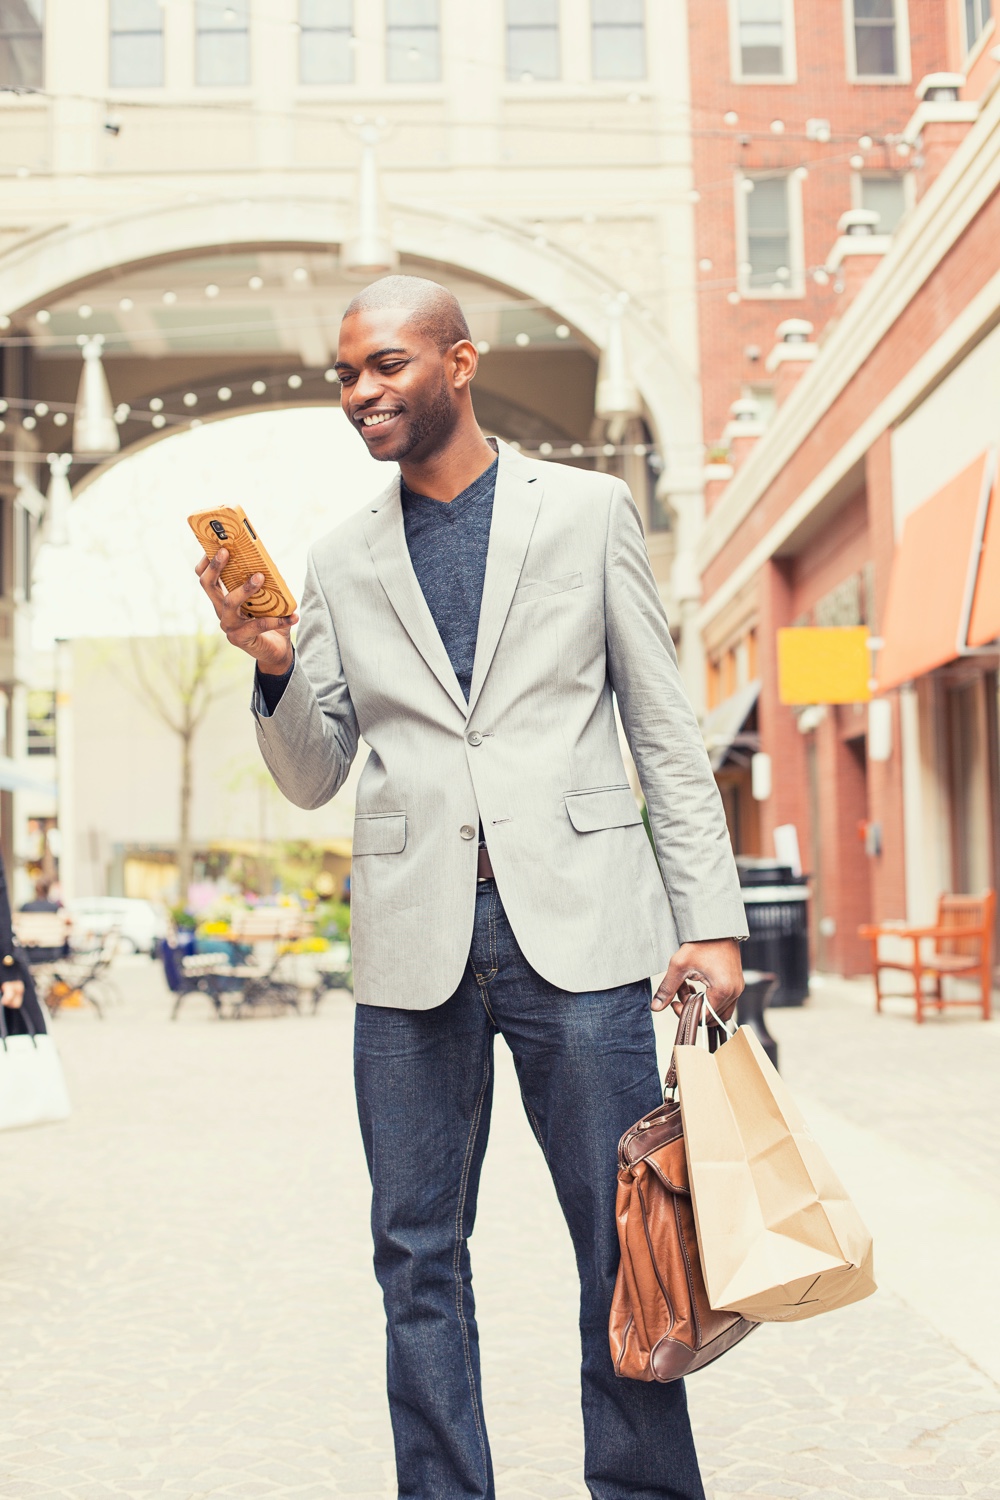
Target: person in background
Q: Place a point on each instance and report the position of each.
(16, 988)
(42, 899)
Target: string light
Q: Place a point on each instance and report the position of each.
(255, 283)
(211, 290)
(258, 387)
(156, 404)
(295, 381)
(126, 304)
(190, 399)
(224, 393)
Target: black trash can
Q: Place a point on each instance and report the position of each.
(777, 908)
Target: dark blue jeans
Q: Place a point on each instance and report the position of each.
(587, 1069)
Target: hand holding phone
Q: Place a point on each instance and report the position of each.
(254, 605)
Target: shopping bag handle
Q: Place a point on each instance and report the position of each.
(692, 1021)
(4, 1032)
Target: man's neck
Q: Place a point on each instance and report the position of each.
(451, 469)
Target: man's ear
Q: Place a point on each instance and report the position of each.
(464, 358)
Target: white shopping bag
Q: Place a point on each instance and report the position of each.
(32, 1086)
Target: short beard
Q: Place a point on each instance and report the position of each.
(430, 427)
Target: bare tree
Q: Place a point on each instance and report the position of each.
(179, 678)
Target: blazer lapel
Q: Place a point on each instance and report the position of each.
(391, 557)
(515, 507)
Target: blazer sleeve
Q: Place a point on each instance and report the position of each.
(683, 802)
(310, 740)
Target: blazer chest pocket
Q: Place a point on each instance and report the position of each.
(379, 833)
(544, 588)
(602, 807)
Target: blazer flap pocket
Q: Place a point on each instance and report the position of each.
(541, 588)
(379, 833)
(602, 807)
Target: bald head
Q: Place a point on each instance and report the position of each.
(435, 313)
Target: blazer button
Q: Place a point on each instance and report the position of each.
(467, 831)
(475, 738)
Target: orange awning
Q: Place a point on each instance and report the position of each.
(984, 626)
(930, 580)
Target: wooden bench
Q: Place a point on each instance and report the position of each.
(958, 946)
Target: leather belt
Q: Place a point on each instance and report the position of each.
(484, 870)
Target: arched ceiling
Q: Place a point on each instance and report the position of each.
(198, 344)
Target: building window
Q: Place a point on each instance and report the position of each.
(136, 44)
(222, 48)
(977, 14)
(761, 39)
(326, 41)
(875, 28)
(532, 40)
(21, 44)
(885, 196)
(618, 39)
(413, 41)
(770, 260)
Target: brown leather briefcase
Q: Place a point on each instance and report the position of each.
(661, 1326)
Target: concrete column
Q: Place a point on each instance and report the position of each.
(65, 769)
(274, 71)
(178, 45)
(779, 734)
(885, 778)
(75, 48)
(475, 34)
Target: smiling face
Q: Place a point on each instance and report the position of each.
(401, 391)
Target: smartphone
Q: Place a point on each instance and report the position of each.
(228, 527)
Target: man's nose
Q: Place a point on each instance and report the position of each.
(367, 387)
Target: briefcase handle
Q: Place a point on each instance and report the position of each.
(692, 1016)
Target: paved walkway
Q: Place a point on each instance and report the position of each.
(188, 1310)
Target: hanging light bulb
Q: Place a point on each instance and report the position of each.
(59, 500)
(95, 429)
(369, 251)
(617, 397)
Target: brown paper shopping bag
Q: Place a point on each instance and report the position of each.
(779, 1238)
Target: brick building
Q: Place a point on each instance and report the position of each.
(856, 491)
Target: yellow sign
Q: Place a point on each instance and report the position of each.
(824, 664)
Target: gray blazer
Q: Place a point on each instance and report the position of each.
(570, 616)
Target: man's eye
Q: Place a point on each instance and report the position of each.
(390, 369)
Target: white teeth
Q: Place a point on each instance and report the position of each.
(379, 416)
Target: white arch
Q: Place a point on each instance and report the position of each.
(84, 252)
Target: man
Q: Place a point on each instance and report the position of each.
(472, 625)
(42, 900)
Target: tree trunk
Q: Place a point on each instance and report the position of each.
(184, 852)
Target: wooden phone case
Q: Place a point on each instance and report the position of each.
(247, 555)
